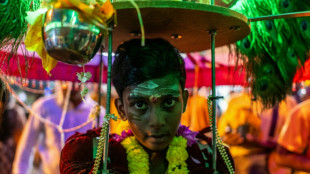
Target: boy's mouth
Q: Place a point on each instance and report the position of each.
(159, 138)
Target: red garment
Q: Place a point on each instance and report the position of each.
(77, 158)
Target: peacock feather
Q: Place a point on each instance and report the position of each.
(13, 25)
(274, 49)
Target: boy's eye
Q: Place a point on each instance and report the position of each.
(169, 103)
(140, 105)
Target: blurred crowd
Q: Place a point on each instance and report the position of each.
(261, 141)
(33, 143)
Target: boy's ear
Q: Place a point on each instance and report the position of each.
(120, 109)
(185, 98)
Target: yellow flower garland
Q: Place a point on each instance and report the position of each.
(138, 159)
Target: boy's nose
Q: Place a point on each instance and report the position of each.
(157, 119)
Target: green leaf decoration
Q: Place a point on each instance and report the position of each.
(84, 93)
(84, 76)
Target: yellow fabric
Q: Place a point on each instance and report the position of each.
(94, 13)
(34, 42)
(196, 116)
(266, 116)
(119, 125)
(295, 135)
(241, 110)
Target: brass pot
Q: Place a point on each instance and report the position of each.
(68, 39)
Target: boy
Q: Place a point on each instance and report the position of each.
(150, 82)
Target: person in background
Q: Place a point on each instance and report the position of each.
(296, 91)
(12, 120)
(150, 82)
(254, 152)
(63, 110)
(272, 121)
(237, 121)
(293, 149)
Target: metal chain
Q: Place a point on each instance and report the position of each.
(102, 140)
(219, 142)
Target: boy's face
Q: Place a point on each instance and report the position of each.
(153, 109)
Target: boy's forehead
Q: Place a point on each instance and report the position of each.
(160, 86)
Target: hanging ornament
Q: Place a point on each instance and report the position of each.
(68, 39)
(48, 84)
(72, 30)
(25, 82)
(12, 80)
(17, 80)
(41, 84)
(33, 84)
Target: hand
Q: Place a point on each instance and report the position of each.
(251, 138)
(233, 139)
(254, 140)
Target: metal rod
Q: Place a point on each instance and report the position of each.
(214, 155)
(100, 82)
(106, 145)
(280, 16)
(212, 32)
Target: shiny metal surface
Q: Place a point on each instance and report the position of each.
(68, 39)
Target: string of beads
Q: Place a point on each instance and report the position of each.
(219, 142)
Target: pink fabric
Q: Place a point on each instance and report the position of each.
(225, 75)
(62, 71)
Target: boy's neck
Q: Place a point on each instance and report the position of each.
(158, 161)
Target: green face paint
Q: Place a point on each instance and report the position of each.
(154, 89)
(154, 108)
(136, 117)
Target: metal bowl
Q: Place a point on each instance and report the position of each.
(68, 39)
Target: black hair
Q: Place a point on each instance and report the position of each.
(135, 64)
(5, 129)
(4, 96)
